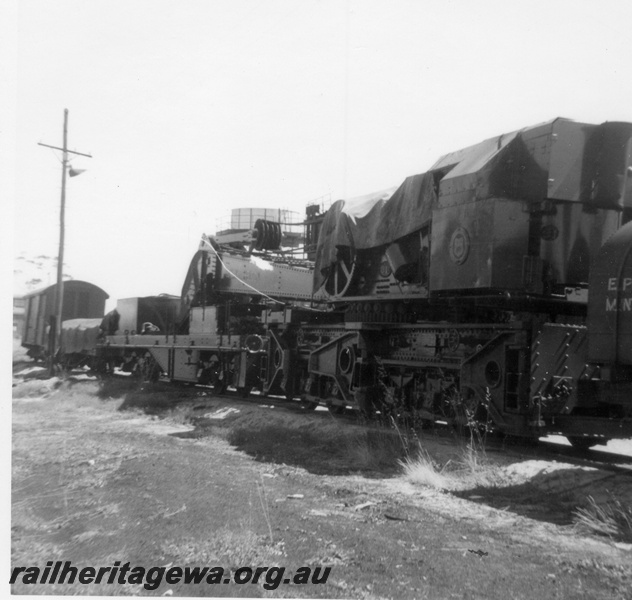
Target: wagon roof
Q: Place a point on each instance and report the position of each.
(70, 282)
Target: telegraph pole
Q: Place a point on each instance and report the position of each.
(55, 319)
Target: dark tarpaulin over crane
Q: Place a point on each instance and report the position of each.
(375, 221)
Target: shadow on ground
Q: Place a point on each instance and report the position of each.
(594, 500)
(524, 499)
(268, 431)
(322, 448)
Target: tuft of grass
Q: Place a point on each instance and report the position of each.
(473, 468)
(232, 546)
(474, 458)
(476, 468)
(423, 470)
(612, 519)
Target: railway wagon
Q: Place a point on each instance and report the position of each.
(494, 288)
(79, 342)
(81, 299)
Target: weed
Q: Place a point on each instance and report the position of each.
(612, 519)
(408, 439)
(476, 469)
(423, 470)
(471, 468)
(230, 546)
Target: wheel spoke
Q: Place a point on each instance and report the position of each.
(340, 275)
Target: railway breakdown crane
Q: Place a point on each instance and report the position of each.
(496, 287)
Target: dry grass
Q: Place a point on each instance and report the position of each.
(476, 469)
(612, 519)
(423, 470)
(233, 548)
(471, 469)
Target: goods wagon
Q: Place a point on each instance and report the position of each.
(80, 300)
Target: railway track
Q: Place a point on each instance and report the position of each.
(602, 459)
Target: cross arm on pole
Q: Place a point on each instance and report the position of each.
(64, 149)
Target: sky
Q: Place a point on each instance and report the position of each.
(191, 108)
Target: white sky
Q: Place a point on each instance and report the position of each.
(191, 108)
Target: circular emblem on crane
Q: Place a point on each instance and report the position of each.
(385, 269)
(459, 245)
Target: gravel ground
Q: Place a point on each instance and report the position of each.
(175, 476)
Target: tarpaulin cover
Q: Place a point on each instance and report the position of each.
(79, 335)
(473, 158)
(374, 220)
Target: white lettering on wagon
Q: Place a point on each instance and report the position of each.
(623, 304)
(624, 284)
